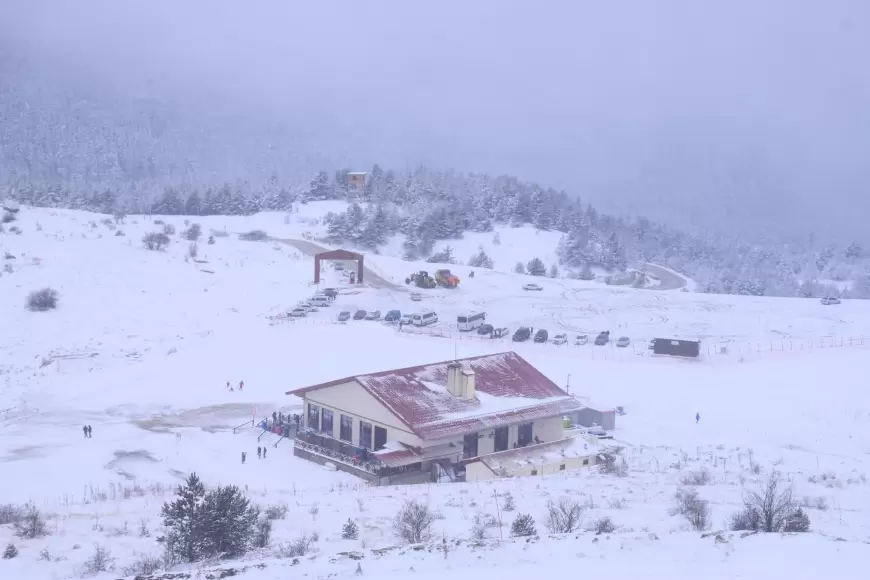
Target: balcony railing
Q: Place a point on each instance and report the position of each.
(351, 455)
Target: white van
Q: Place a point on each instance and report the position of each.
(424, 318)
(320, 301)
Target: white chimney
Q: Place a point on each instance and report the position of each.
(468, 387)
(454, 379)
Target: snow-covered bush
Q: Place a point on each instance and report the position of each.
(523, 526)
(155, 240)
(349, 531)
(10, 552)
(42, 300)
(413, 523)
(693, 508)
(563, 517)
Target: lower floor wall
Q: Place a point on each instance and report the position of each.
(321, 460)
(480, 471)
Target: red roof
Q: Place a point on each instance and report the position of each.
(509, 390)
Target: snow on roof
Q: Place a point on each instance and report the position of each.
(508, 390)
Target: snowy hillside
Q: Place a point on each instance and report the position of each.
(143, 342)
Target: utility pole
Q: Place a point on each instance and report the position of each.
(568, 385)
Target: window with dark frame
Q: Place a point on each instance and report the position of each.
(313, 417)
(365, 434)
(469, 446)
(585, 462)
(326, 422)
(525, 434)
(501, 439)
(346, 428)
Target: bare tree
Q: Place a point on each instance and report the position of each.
(693, 508)
(773, 509)
(413, 523)
(563, 517)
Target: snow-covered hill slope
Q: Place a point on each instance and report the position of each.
(142, 344)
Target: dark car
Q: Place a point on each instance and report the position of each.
(499, 332)
(344, 316)
(602, 338)
(359, 315)
(541, 336)
(393, 317)
(522, 334)
(330, 292)
(485, 329)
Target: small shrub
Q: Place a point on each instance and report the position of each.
(211, 240)
(30, 524)
(159, 222)
(413, 523)
(144, 566)
(276, 511)
(10, 552)
(482, 523)
(314, 510)
(8, 217)
(563, 517)
(701, 477)
(143, 528)
(509, 503)
(262, 533)
(42, 300)
(119, 233)
(603, 526)
(45, 555)
(798, 521)
(746, 520)
(693, 508)
(772, 509)
(349, 531)
(523, 526)
(617, 503)
(254, 236)
(100, 561)
(519, 268)
(155, 241)
(169, 229)
(612, 466)
(193, 232)
(296, 548)
(15, 230)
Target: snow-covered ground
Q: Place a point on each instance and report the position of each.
(143, 343)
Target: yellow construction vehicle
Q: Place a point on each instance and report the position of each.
(421, 279)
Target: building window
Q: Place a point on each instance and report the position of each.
(562, 467)
(326, 422)
(365, 435)
(469, 446)
(534, 472)
(501, 439)
(313, 417)
(525, 434)
(346, 428)
(585, 462)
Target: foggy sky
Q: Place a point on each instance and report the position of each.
(740, 112)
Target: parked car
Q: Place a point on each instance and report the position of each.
(602, 338)
(359, 315)
(830, 300)
(330, 292)
(416, 296)
(623, 342)
(499, 333)
(393, 317)
(338, 266)
(424, 318)
(373, 315)
(343, 316)
(306, 307)
(522, 334)
(581, 339)
(541, 336)
(485, 329)
(298, 312)
(560, 338)
(532, 286)
(320, 301)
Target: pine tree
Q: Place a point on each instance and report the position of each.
(227, 522)
(445, 256)
(10, 552)
(319, 187)
(183, 521)
(554, 271)
(519, 268)
(481, 260)
(523, 526)
(350, 531)
(536, 267)
(586, 273)
(193, 205)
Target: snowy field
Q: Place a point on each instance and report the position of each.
(143, 343)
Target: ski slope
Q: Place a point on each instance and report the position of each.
(143, 343)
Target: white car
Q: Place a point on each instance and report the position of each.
(299, 312)
(581, 339)
(623, 342)
(532, 286)
(374, 315)
(416, 296)
(406, 319)
(560, 339)
(830, 300)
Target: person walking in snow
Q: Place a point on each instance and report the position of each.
(90, 431)
(259, 452)
(697, 418)
(264, 452)
(274, 417)
(241, 385)
(229, 388)
(85, 430)
(243, 457)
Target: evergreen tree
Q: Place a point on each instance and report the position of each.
(536, 267)
(228, 522)
(319, 187)
(184, 522)
(481, 260)
(523, 526)
(586, 273)
(193, 206)
(554, 271)
(519, 268)
(349, 531)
